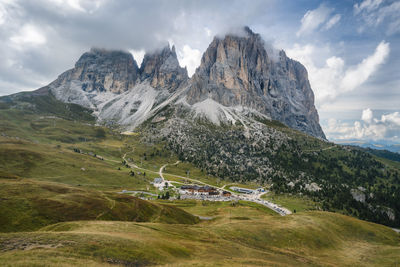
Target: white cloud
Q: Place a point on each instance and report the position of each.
(355, 76)
(314, 19)
(367, 5)
(369, 128)
(367, 115)
(189, 58)
(87, 6)
(208, 32)
(138, 55)
(392, 118)
(4, 4)
(2, 15)
(28, 35)
(379, 12)
(332, 21)
(334, 78)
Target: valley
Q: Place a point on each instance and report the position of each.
(55, 213)
(115, 164)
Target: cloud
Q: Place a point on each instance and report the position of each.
(332, 21)
(314, 19)
(138, 55)
(334, 77)
(367, 115)
(367, 5)
(189, 58)
(393, 118)
(355, 76)
(2, 15)
(28, 35)
(377, 13)
(387, 128)
(86, 6)
(46, 37)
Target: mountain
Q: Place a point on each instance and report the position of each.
(238, 71)
(376, 145)
(236, 77)
(247, 115)
(162, 70)
(112, 85)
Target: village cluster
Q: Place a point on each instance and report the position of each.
(209, 193)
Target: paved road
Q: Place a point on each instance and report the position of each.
(250, 197)
(136, 192)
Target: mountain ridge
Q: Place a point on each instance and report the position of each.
(236, 73)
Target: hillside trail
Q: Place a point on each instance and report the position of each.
(323, 149)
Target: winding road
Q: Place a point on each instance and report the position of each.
(250, 197)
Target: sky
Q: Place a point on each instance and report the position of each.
(351, 49)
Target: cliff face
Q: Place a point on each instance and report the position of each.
(162, 69)
(100, 70)
(111, 84)
(237, 71)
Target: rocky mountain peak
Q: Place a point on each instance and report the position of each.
(104, 70)
(161, 68)
(236, 70)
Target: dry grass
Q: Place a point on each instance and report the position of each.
(309, 238)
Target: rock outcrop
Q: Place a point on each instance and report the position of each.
(101, 70)
(238, 71)
(162, 69)
(237, 77)
(111, 84)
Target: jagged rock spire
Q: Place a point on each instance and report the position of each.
(161, 68)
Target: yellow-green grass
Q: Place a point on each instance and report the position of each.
(49, 129)
(306, 239)
(221, 210)
(28, 205)
(292, 202)
(181, 169)
(58, 164)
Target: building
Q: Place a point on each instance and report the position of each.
(226, 194)
(158, 180)
(207, 189)
(198, 189)
(190, 187)
(242, 190)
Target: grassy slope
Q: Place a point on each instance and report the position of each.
(60, 164)
(39, 186)
(29, 205)
(310, 238)
(292, 202)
